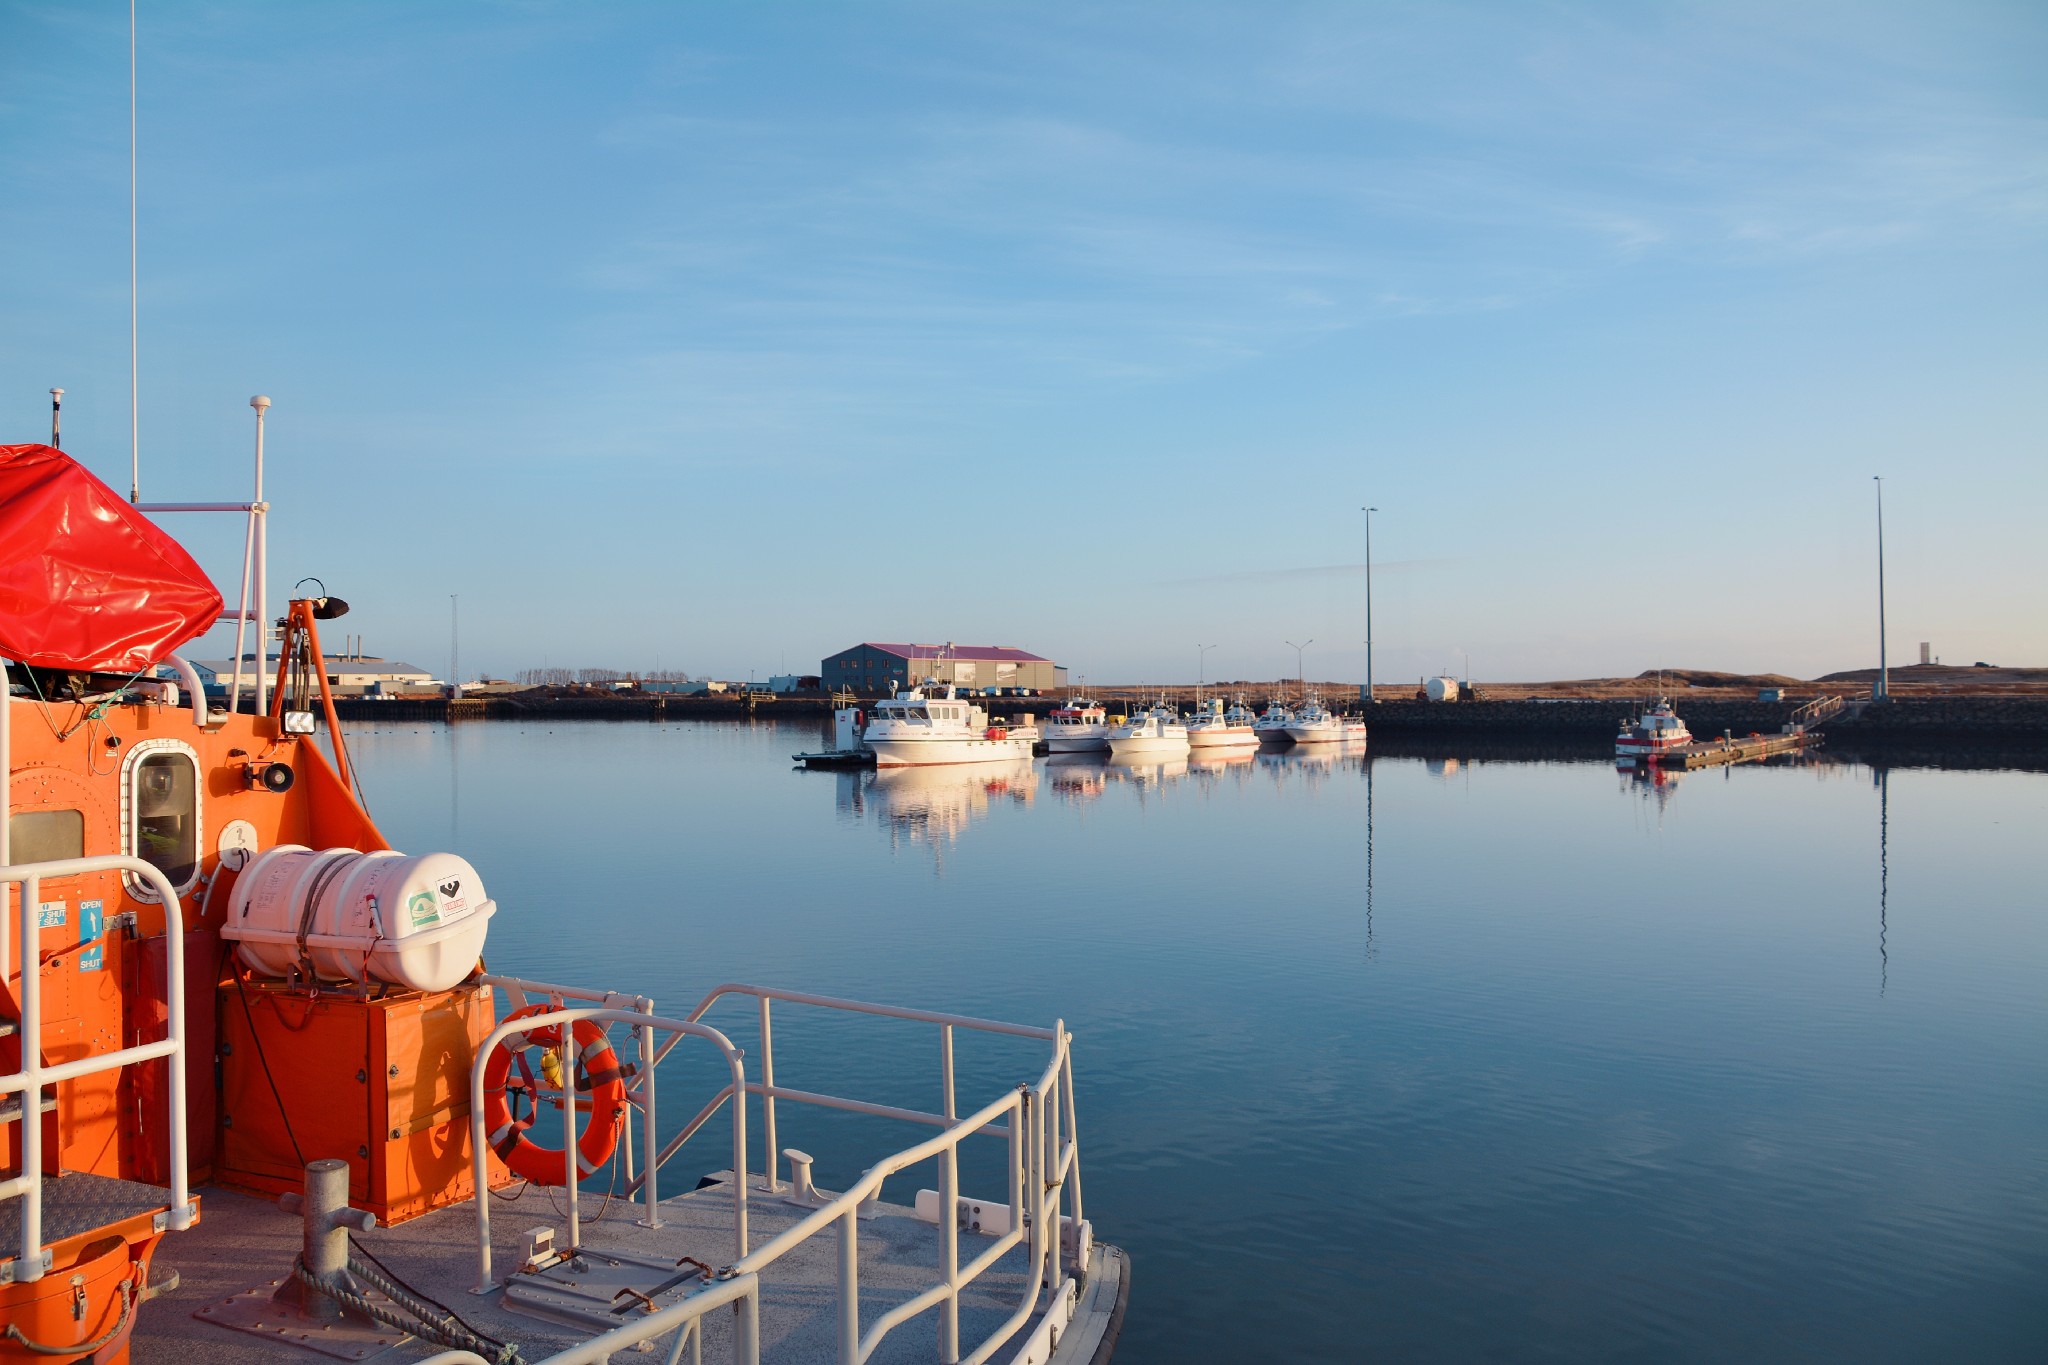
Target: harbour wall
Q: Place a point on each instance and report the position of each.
(2022, 720)
(1972, 718)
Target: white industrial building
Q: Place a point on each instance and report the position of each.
(352, 675)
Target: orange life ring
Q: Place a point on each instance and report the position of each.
(598, 1072)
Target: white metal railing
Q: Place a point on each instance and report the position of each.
(28, 1082)
(1814, 712)
(567, 1018)
(1036, 1119)
(743, 1292)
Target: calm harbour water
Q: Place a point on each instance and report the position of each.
(1395, 1058)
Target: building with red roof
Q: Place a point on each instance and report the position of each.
(871, 667)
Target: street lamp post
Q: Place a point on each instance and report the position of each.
(1368, 603)
(1883, 689)
(1300, 674)
(1201, 670)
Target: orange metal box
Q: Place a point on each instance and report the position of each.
(381, 1083)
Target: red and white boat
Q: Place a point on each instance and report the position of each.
(1213, 727)
(1079, 727)
(1657, 731)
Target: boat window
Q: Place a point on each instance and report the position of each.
(42, 836)
(916, 713)
(163, 808)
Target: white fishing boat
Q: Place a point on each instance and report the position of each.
(934, 724)
(1313, 724)
(1079, 727)
(1157, 731)
(1271, 726)
(1351, 729)
(1214, 727)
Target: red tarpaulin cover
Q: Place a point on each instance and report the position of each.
(86, 581)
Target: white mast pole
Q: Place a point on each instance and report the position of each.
(134, 330)
(261, 510)
(56, 419)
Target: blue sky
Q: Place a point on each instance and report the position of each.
(722, 336)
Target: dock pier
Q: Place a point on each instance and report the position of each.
(1731, 749)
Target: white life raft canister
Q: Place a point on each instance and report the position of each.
(340, 914)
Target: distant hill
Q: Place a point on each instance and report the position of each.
(1950, 675)
(1707, 677)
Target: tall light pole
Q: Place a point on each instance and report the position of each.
(454, 641)
(1368, 603)
(1883, 689)
(1201, 666)
(1300, 674)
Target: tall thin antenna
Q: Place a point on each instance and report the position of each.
(1884, 680)
(134, 331)
(1368, 603)
(56, 419)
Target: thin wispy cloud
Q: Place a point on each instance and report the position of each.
(1313, 573)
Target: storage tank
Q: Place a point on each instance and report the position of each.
(340, 914)
(1441, 689)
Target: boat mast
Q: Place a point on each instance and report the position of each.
(260, 511)
(134, 331)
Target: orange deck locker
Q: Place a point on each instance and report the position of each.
(382, 1083)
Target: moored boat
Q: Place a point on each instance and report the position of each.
(1653, 733)
(1271, 726)
(337, 1037)
(1079, 727)
(1157, 731)
(934, 724)
(1313, 724)
(1215, 727)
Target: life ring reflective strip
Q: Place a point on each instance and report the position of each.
(599, 1073)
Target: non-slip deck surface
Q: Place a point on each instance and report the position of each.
(75, 1203)
(243, 1241)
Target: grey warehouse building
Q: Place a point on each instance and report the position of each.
(870, 668)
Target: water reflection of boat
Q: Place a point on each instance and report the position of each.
(1214, 759)
(1077, 776)
(945, 799)
(1312, 759)
(1652, 780)
(1147, 770)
